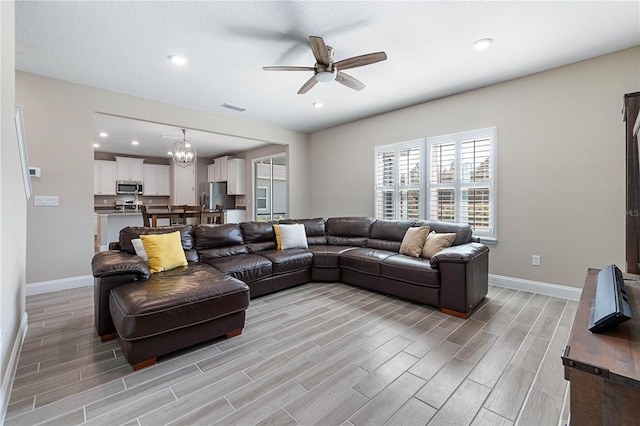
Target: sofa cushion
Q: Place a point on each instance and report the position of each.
(435, 243)
(314, 228)
(290, 236)
(348, 231)
(164, 251)
(364, 260)
(175, 299)
(413, 241)
(258, 236)
(132, 232)
(463, 231)
(325, 256)
(214, 241)
(388, 234)
(288, 260)
(245, 267)
(412, 270)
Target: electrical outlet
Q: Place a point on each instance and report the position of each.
(104, 201)
(535, 260)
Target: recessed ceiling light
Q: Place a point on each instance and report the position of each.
(103, 134)
(483, 43)
(318, 104)
(178, 60)
(96, 145)
(134, 142)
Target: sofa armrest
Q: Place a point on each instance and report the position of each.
(114, 245)
(464, 277)
(112, 269)
(113, 262)
(462, 253)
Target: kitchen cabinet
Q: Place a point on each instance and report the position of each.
(220, 169)
(130, 168)
(183, 185)
(156, 179)
(104, 177)
(236, 176)
(211, 173)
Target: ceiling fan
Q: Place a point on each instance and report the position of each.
(326, 70)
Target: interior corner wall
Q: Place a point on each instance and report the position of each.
(13, 210)
(560, 168)
(59, 128)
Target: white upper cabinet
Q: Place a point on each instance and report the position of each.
(211, 173)
(236, 176)
(156, 180)
(130, 168)
(104, 177)
(220, 169)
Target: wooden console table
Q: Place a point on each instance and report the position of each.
(604, 369)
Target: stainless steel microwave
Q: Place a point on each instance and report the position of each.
(128, 187)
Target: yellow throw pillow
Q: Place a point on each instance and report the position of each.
(276, 229)
(414, 240)
(436, 242)
(164, 250)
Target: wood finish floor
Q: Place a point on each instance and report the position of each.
(325, 354)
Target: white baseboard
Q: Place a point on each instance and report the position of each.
(55, 285)
(565, 292)
(12, 366)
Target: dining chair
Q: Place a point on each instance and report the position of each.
(145, 216)
(218, 219)
(194, 213)
(177, 208)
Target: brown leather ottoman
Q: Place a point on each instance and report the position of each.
(175, 309)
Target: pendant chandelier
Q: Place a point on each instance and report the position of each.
(183, 152)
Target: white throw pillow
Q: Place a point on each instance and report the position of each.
(293, 236)
(139, 248)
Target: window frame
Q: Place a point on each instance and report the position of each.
(396, 188)
(491, 133)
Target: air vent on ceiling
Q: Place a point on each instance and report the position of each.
(233, 107)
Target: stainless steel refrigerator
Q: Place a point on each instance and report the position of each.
(212, 193)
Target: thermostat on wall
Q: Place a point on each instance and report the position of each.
(34, 171)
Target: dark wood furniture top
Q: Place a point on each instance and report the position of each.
(614, 355)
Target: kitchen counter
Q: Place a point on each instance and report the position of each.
(110, 222)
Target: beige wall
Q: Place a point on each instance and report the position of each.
(13, 205)
(561, 179)
(59, 121)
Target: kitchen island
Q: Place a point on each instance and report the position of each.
(110, 222)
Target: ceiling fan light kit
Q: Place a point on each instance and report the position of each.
(325, 70)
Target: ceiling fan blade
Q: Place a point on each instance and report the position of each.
(308, 85)
(319, 50)
(285, 68)
(349, 81)
(358, 61)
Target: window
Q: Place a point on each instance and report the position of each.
(449, 178)
(461, 186)
(399, 180)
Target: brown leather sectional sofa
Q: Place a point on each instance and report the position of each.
(154, 314)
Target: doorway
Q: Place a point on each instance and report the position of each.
(270, 199)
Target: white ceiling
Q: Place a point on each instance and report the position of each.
(123, 47)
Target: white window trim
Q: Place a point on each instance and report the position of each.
(489, 236)
(396, 187)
